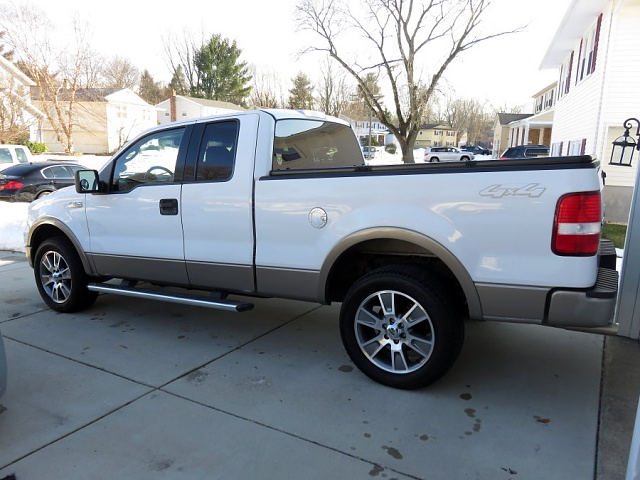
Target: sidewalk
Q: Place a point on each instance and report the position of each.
(141, 389)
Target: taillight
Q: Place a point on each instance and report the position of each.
(576, 226)
(12, 185)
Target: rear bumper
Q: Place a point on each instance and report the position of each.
(593, 307)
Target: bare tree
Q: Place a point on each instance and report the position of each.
(180, 54)
(468, 116)
(14, 124)
(59, 71)
(267, 91)
(119, 72)
(403, 35)
(334, 93)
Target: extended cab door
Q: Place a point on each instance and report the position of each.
(217, 214)
(135, 228)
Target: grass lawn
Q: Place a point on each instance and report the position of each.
(615, 232)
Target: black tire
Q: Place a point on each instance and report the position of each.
(464, 159)
(434, 159)
(44, 193)
(414, 341)
(61, 280)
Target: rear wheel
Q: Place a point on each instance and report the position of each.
(464, 159)
(400, 328)
(434, 159)
(60, 278)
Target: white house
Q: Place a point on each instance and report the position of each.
(17, 111)
(595, 50)
(179, 107)
(104, 119)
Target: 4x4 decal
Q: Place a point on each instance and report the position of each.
(531, 190)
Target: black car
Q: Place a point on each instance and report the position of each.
(526, 151)
(476, 150)
(26, 182)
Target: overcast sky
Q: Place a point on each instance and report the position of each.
(500, 71)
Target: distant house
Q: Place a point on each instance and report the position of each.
(527, 129)
(502, 131)
(436, 135)
(595, 51)
(104, 119)
(17, 111)
(179, 107)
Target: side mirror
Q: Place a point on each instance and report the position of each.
(87, 181)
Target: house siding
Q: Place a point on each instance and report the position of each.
(593, 110)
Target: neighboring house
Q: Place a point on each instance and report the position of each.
(179, 107)
(595, 50)
(436, 135)
(104, 119)
(501, 130)
(17, 113)
(536, 128)
(379, 131)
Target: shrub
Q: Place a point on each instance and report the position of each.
(390, 148)
(35, 147)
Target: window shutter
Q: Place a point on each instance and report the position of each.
(595, 43)
(578, 74)
(584, 146)
(569, 73)
(560, 154)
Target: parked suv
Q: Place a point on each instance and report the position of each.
(524, 151)
(369, 152)
(446, 154)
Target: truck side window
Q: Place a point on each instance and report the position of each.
(216, 157)
(22, 155)
(151, 159)
(302, 144)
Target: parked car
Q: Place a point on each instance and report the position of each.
(476, 150)
(525, 151)
(13, 155)
(3, 368)
(25, 183)
(369, 152)
(446, 154)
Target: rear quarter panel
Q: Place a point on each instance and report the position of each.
(497, 223)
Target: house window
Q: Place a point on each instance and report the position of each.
(121, 111)
(565, 76)
(556, 149)
(576, 147)
(438, 133)
(588, 51)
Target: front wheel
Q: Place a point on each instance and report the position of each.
(400, 328)
(60, 278)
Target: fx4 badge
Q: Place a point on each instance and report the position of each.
(532, 190)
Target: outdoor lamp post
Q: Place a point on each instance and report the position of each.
(625, 146)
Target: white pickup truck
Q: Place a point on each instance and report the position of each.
(280, 203)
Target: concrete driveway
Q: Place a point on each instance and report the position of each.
(139, 389)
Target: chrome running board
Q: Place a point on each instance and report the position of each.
(218, 303)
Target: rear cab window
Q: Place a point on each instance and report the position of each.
(301, 144)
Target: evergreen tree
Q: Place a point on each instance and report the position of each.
(301, 94)
(220, 74)
(178, 82)
(150, 91)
